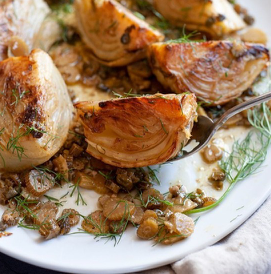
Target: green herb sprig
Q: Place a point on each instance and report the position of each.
(18, 97)
(23, 205)
(186, 38)
(247, 155)
(13, 143)
(57, 202)
(128, 94)
(114, 235)
(79, 195)
(152, 200)
(152, 173)
(43, 173)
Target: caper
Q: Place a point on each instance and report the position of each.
(125, 38)
(210, 21)
(212, 153)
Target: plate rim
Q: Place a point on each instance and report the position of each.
(145, 266)
(22, 256)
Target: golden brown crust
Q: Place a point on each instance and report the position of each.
(134, 132)
(114, 35)
(36, 111)
(216, 71)
(18, 89)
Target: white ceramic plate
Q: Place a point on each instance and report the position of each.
(81, 253)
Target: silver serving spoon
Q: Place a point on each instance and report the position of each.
(205, 128)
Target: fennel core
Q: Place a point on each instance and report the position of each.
(247, 155)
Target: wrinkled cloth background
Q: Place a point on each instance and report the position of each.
(246, 250)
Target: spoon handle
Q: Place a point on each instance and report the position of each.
(245, 105)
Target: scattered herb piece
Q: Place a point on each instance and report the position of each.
(110, 236)
(236, 217)
(127, 94)
(163, 126)
(153, 175)
(240, 208)
(14, 145)
(106, 176)
(152, 200)
(139, 15)
(79, 195)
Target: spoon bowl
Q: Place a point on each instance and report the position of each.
(204, 129)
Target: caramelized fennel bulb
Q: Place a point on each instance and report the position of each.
(115, 36)
(216, 71)
(20, 22)
(139, 131)
(215, 17)
(56, 27)
(36, 111)
(49, 33)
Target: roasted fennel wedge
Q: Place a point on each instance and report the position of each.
(115, 36)
(139, 131)
(36, 111)
(215, 17)
(216, 71)
(20, 22)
